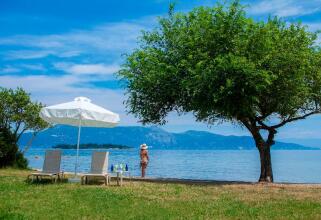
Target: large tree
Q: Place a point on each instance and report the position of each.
(18, 114)
(221, 65)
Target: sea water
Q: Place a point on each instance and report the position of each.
(297, 166)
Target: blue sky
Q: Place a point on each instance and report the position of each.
(60, 49)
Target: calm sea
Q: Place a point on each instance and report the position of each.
(288, 166)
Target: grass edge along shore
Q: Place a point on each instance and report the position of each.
(146, 200)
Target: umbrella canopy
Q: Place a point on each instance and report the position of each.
(70, 113)
(81, 113)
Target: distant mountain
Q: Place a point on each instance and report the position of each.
(312, 142)
(91, 146)
(153, 136)
(202, 139)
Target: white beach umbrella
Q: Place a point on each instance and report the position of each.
(81, 113)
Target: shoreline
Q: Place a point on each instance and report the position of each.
(200, 181)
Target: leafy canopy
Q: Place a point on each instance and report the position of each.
(222, 65)
(18, 113)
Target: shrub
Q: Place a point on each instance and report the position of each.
(9, 151)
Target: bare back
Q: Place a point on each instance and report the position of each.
(144, 156)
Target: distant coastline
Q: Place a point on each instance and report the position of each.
(134, 136)
(91, 146)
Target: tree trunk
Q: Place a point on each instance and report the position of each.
(266, 164)
(263, 146)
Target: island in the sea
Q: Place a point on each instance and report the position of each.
(92, 146)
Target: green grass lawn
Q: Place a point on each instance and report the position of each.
(142, 200)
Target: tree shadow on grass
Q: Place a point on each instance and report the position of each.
(193, 181)
(45, 181)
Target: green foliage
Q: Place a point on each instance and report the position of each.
(20, 162)
(17, 115)
(222, 65)
(9, 152)
(8, 148)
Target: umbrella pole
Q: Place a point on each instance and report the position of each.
(78, 141)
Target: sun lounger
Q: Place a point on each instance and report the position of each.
(99, 164)
(51, 166)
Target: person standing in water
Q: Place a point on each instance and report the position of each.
(143, 158)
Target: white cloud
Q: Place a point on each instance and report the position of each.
(21, 67)
(38, 83)
(53, 89)
(26, 54)
(101, 40)
(37, 67)
(9, 69)
(37, 54)
(106, 42)
(87, 68)
(285, 8)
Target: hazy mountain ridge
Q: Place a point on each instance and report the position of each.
(312, 142)
(157, 138)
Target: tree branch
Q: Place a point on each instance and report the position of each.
(17, 128)
(294, 119)
(270, 140)
(263, 125)
(254, 129)
(18, 137)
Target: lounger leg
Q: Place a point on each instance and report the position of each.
(82, 180)
(105, 180)
(118, 178)
(62, 176)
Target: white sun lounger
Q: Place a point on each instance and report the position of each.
(99, 164)
(51, 166)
